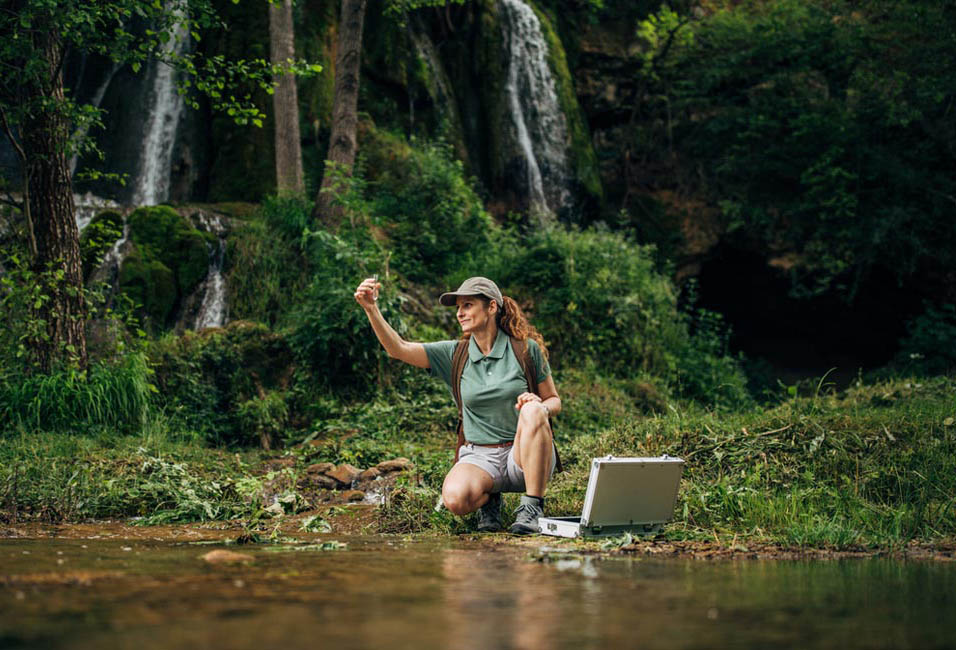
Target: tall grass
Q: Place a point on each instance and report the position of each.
(107, 395)
(873, 466)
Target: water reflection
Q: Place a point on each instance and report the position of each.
(453, 594)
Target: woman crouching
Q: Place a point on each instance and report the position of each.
(505, 440)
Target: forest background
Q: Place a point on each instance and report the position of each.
(789, 164)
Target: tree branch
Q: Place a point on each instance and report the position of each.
(25, 172)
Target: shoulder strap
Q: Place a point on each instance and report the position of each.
(520, 348)
(458, 360)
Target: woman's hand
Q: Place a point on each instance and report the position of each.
(367, 293)
(524, 398)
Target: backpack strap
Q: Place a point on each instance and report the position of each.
(458, 360)
(520, 349)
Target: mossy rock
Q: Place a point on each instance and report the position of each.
(160, 233)
(150, 283)
(97, 239)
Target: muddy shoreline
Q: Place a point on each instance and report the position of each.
(355, 523)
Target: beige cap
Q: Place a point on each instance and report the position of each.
(476, 286)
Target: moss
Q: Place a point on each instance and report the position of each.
(151, 284)
(160, 233)
(97, 239)
(582, 152)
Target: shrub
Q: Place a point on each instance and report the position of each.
(420, 197)
(114, 396)
(330, 334)
(265, 267)
(599, 299)
(98, 238)
(929, 347)
(205, 379)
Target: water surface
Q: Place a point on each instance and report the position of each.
(381, 592)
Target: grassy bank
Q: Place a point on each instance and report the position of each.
(874, 465)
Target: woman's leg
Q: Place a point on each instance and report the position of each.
(466, 488)
(533, 449)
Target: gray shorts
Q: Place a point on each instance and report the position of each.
(500, 464)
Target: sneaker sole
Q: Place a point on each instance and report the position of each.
(521, 529)
(490, 529)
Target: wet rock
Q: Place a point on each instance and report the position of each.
(220, 556)
(395, 465)
(319, 468)
(320, 481)
(370, 474)
(344, 473)
(354, 495)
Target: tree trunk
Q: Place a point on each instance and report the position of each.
(45, 137)
(285, 102)
(342, 145)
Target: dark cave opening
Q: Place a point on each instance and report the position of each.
(802, 338)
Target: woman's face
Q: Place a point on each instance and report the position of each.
(474, 315)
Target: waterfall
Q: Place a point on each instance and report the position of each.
(207, 307)
(88, 206)
(109, 269)
(95, 101)
(541, 130)
(152, 184)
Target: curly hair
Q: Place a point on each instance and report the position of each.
(514, 323)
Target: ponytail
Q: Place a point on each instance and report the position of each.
(515, 324)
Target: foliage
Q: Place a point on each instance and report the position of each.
(329, 333)
(599, 299)
(823, 127)
(114, 30)
(23, 291)
(209, 382)
(873, 466)
(264, 265)
(421, 198)
(52, 477)
(115, 396)
(929, 347)
(98, 238)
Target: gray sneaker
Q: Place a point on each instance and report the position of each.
(489, 515)
(526, 517)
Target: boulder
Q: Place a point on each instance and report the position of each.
(370, 474)
(319, 468)
(320, 480)
(344, 473)
(395, 465)
(354, 495)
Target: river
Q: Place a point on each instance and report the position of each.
(393, 592)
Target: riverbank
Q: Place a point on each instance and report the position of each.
(354, 522)
(870, 469)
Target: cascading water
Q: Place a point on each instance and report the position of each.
(207, 307)
(152, 184)
(540, 128)
(95, 101)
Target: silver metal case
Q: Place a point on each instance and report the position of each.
(635, 495)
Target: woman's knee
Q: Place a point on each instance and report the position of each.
(457, 498)
(532, 417)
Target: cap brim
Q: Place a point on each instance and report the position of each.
(451, 298)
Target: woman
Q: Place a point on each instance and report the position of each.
(508, 442)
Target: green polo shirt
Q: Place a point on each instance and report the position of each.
(490, 385)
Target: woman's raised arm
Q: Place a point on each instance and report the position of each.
(366, 295)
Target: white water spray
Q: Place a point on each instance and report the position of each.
(166, 106)
(212, 307)
(540, 126)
